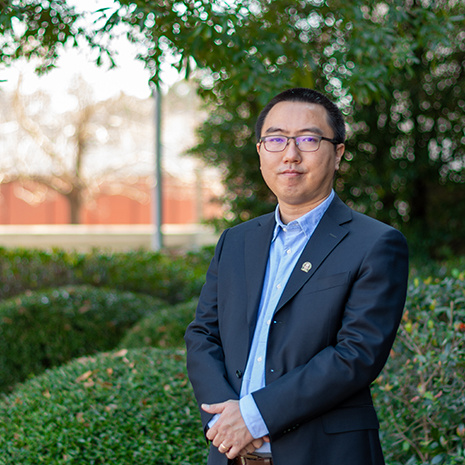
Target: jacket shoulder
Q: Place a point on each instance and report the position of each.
(372, 224)
(339, 210)
(262, 220)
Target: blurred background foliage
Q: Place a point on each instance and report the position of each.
(395, 68)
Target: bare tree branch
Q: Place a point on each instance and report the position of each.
(120, 124)
(34, 129)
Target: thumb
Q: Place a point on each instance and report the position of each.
(213, 408)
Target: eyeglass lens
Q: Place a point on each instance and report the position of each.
(279, 143)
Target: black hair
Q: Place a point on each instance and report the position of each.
(302, 94)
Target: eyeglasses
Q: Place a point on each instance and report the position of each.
(304, 143)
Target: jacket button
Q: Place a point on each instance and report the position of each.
(239, 374)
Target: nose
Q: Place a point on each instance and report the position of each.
(292, 153)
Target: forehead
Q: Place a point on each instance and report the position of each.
(294, 117)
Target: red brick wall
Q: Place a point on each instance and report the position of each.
(37, 205)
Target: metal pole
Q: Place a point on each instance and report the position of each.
(157, 237)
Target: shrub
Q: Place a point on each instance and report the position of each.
(421, 392)
(174, 278)
(125, 408)
(42, 329)
(24, 269)
(165, 328)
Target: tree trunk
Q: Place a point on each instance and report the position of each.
(75, 205)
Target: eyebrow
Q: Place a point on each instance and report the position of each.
(313, 130)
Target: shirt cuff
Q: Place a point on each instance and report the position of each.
(252, 417)
(213, 420)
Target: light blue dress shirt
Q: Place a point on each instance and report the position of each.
(288, 243)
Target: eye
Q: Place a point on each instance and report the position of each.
(276, 139)
(308, 139)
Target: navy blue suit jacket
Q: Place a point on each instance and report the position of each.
(330, 337)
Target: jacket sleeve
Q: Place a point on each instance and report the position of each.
(335, 376)
(205, 357)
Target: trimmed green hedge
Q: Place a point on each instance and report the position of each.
(420, 394)
(171, 277)
(164, 328)
(46, 328)
(124, 408)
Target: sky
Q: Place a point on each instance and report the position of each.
(129, 77)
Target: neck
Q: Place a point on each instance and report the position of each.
(290, 212)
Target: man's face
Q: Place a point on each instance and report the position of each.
(300, 180)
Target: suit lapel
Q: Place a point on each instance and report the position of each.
(256, 249)
(325, 238)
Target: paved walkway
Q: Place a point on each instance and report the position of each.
(84, 238)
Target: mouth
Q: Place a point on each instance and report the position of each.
(290, 173)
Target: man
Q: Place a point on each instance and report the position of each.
(300, 308)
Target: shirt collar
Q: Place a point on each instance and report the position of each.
(307, 222)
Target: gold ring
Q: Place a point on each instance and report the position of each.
(223, 447)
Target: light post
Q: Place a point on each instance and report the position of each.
(157, 236)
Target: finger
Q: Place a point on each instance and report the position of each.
(214, 436)
(211, 433)
(252, 447)
(232, 453)
(248, 449)
(223, 449)
(257, 443)
(237, 449)
(213, 408)
(217, 441)
(217, 438)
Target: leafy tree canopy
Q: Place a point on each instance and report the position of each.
(38, 30)
(395, 67)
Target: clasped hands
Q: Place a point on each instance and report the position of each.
(230, 433)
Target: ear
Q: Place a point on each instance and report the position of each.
(340, 148)
(259, 157)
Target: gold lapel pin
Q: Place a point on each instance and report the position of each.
(307, 266)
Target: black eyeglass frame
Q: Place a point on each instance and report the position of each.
(320, 138)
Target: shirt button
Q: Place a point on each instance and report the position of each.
(268, 322)
(259, 359)
(288, 251)
(285, 229)
(278, 286)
